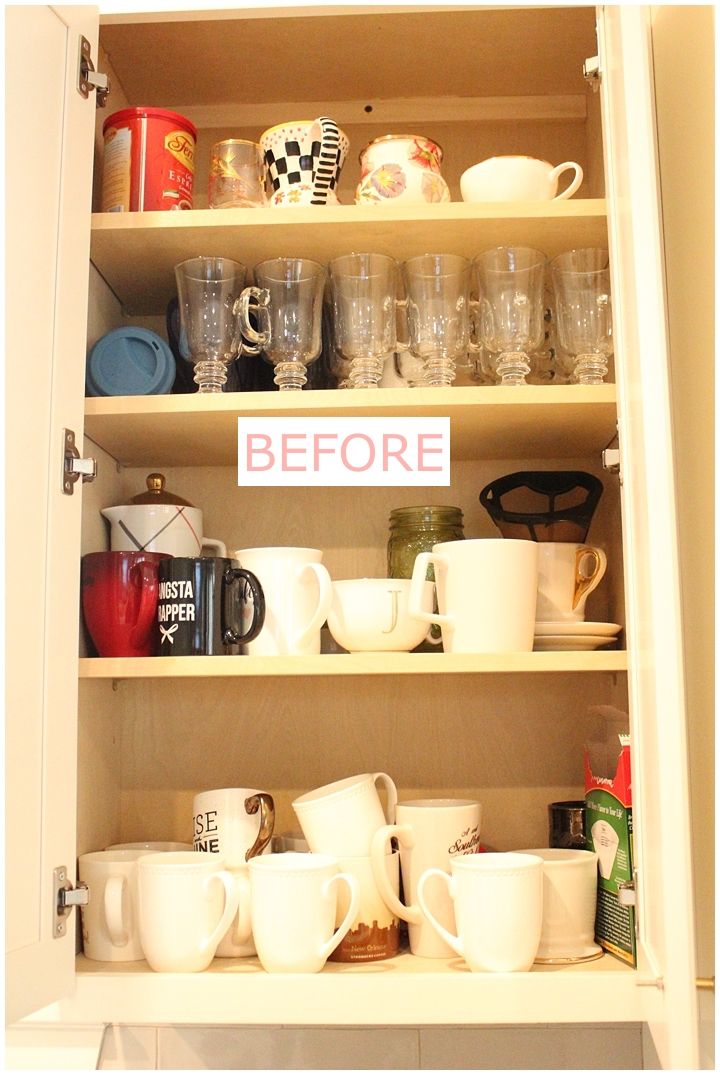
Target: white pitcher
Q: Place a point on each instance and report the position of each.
(298, 595)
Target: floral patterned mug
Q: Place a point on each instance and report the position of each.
(401, 168)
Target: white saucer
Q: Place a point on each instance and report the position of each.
(577, 627)
(547, 643)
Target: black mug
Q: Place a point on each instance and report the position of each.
(201, 601)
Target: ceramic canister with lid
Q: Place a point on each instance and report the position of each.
(159, 521)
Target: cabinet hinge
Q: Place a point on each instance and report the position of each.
(611, 455)
(592, 72)
(90, 79)
(73, 467)
(65, 898)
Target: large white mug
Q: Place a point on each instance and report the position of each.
(297, 593)
(187, 903)
(517, 179)
(569, 904)
(151, 845)
(110, 927)
(486, 594)
(430, 832)
(341, 818)
(293, 907)
(568, 572)
(236, 823)
(498, 908)
(238, 941)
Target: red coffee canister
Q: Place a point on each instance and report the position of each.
(148, 162)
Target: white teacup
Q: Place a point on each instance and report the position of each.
(568, 573)
(296, 587)
(498, 908)
(430, 832)
(341, 818)
(293, 907)
(110, 926)
(187, 904)
(569, 904)
(510, 179)
(486, 594)
(372, 615)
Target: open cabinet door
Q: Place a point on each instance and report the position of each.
(49, 146)
(666, 945)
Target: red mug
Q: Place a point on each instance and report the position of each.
(120, 600)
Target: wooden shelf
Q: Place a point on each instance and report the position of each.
(136, 252)
(351, 664)
(528, 421)
(406, 990)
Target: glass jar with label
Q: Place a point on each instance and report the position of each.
(416, 529)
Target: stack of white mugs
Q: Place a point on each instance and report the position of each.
(230, 894)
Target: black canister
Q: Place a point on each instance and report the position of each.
(566, 824)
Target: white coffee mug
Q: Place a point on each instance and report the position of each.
(498, 909)
(375, 931)
(341, 818)
(517, 179)
(187, 903)
(297, 593)
(568, 573)
(486, 594)
(372, 615)
(236, 823)
(569, 904)
(110, 927)
(430, 832)
(293, 907)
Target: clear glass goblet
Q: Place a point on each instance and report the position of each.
(291, 336)
(363, 292)
(214, 313)
(511, 311)
(583, 311)
(437, 301)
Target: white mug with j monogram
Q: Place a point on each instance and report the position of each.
(430, 832)
(341, 818)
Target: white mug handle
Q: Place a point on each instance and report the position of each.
(352, 911)
(450, 938)
(113, 904)
(232, 898)
(557, 172)
(378, 856)
(324, 601)
(388, 783)
(213, 543)
(422, 562)
(242, 926)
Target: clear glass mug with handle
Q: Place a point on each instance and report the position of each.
(510, 318)
(363, 295)
(290, 330)
(583, 309)
(214, 308)
(437, 308)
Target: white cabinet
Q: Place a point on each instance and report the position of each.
(508, 731)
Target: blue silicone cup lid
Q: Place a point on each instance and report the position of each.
(130, 361)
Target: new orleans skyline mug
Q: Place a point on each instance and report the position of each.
(201, 601)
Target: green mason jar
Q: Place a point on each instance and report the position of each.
(417, 529)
